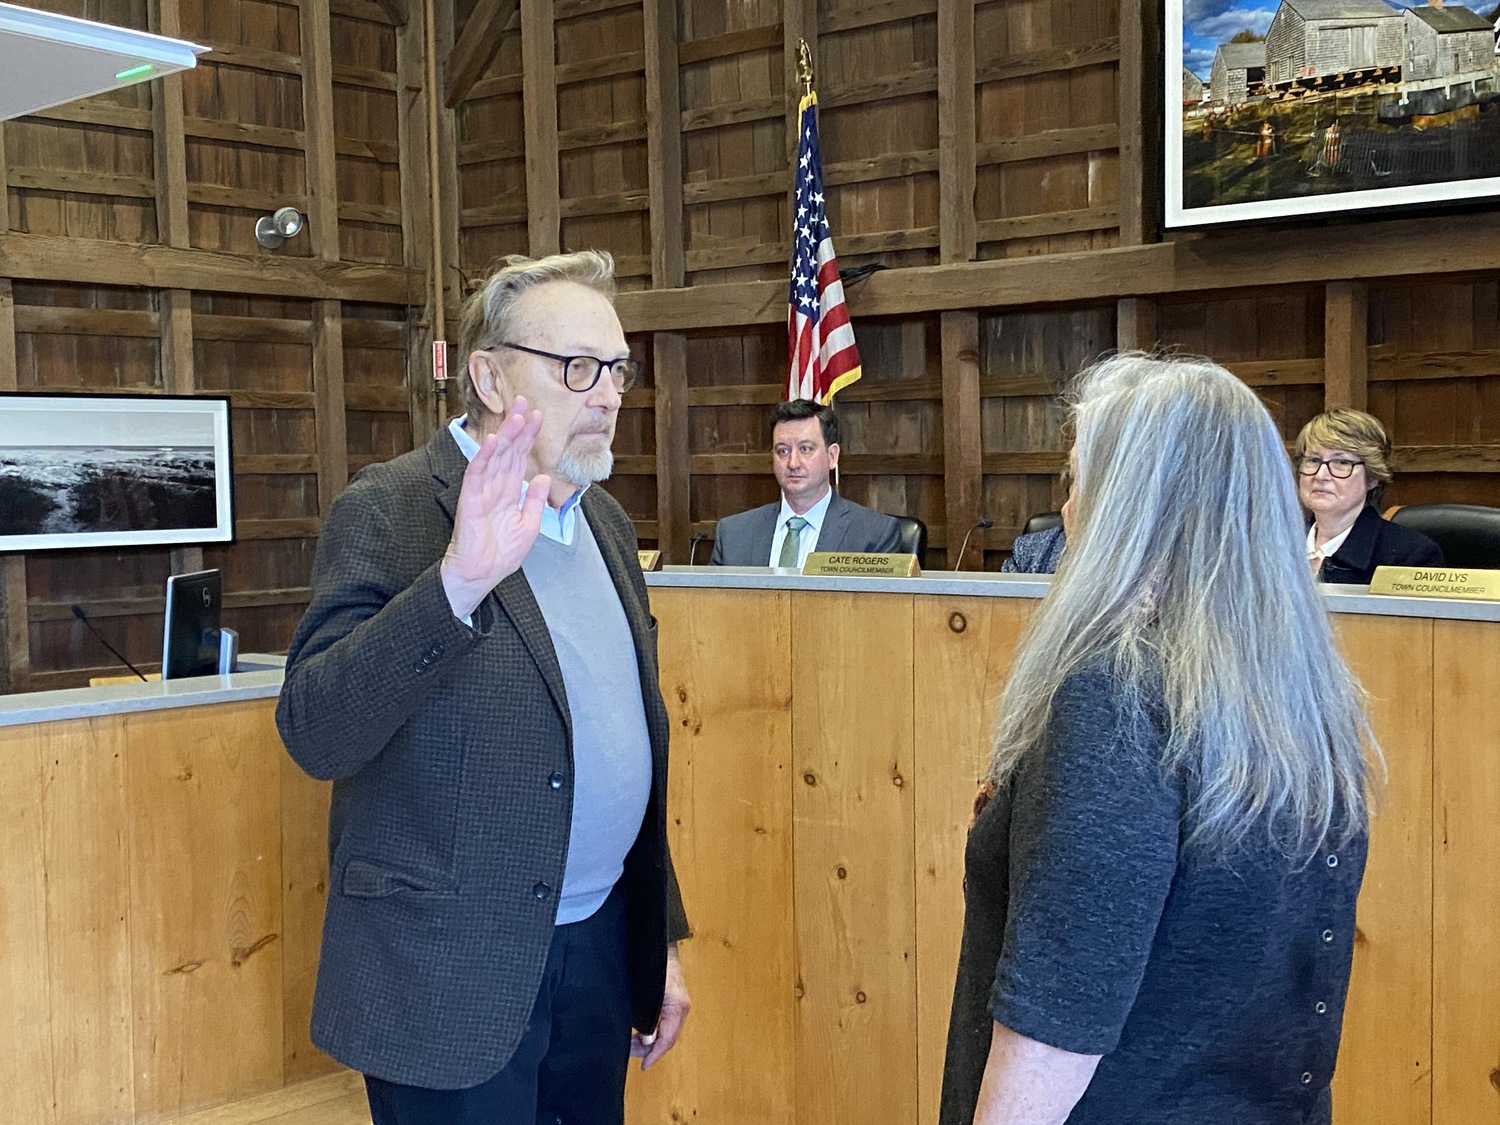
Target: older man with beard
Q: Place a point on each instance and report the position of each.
(477, 674)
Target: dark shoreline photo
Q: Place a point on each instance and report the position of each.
(80, 490)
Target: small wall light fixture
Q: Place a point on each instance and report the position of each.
(272, 230)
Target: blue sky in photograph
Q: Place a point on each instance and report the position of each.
(1207, 23)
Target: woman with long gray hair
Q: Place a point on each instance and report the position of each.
(1159, 911)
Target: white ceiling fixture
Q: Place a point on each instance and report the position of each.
(48, 59)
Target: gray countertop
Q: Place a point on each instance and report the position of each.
(260, 678)
(261, 675)
(988, 584)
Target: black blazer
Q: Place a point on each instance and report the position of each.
(1376, 542)
(448, 829)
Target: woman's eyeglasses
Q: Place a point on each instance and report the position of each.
(1338, 467)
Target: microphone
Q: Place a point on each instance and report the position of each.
(78, 613)
(701, 537)
(986, 522)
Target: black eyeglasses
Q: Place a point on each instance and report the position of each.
(581, 372)
(1337, 467)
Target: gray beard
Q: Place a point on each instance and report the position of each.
(585, 469)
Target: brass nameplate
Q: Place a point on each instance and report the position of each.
(848, 563)
(1437, 582)
(650, 560)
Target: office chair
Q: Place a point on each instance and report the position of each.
(1469, 534)
(911, 538)
(1042, 521)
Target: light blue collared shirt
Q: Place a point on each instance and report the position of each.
(558, 524)
(808, 541)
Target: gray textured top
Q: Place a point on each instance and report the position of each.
(611, 747)
(1214, 989)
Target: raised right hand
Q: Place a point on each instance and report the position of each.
(493, 529)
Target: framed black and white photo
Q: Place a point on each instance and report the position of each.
(85, 470)
(1289, 108)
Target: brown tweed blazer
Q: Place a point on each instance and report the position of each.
(447, 839)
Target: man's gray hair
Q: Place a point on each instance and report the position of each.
(1185, 577)
(489, 313)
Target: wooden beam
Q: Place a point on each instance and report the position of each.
(396, 10)
(317, 114)
(956, 166)
(475, 48)
(1050, 59)
(963, 474)
(86, 261)
(1346, 340)
(663, 148)
(15, 625)
(1136, 324)
(169, 138)
(539, 98)
(445, 192)
(1132, 114)
(674, 463)
(1380, 249)
(328, 409)
(176, 326)
(416, 217)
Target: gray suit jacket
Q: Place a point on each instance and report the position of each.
(447, 839)
(745, 539)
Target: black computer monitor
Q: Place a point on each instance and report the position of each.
(190, 638)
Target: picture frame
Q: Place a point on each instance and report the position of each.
(95, 470)
(1284, 109)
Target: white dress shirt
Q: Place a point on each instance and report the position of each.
(1327, 550)
(809, 539)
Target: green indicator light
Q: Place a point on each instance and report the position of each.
(134, 72)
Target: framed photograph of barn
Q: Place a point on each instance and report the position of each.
(1287, 108)
(85, 470)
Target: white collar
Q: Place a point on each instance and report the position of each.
(558, 524)
(1330, 548)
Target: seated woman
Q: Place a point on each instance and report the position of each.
(1160, 887)
(1342, 459)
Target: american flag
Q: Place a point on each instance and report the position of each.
(823, 358)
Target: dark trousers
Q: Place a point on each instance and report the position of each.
(570, 1066)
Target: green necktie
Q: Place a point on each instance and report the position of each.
(792, 541)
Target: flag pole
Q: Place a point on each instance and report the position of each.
(804, 67)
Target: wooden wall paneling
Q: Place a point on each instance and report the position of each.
(29, 1073)
(446, 197)
(956, 131)
(799, 21)
(1139, 64)
(673, 447)
(1466, 876)
(1346, 337)
(732, 734)
(664, 148)
(15, 656)
(1385, 1061)
(963, 471)
(178, 378)
(853, 809)
(417, 234)
(1136, 324)
(961, 654)
(205, 905)
(539, 68)
(328, 377)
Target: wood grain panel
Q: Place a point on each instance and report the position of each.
(855, 814)
(1466, 874)
(1385, 1061)
(86, 863)
(26, 1068)
(961, 654)
(205, 895)
(731, 835)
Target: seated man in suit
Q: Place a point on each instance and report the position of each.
(810, 515)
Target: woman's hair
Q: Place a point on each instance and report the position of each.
(1356, 432)
(488, 314)
(1185, 578)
